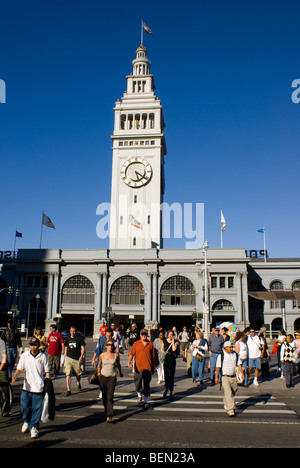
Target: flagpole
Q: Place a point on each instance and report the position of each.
(265, 245)
(142, 32)
(221, 236)
(41, 231)
(15, 243)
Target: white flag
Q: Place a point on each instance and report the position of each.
(223, 222)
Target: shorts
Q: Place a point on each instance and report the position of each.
(72, 366)
(254, 363)
(184, 345)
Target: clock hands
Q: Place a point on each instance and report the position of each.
(139, 176)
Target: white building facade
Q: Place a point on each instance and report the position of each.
(136, 279)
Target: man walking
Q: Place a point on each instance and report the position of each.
(226, 364)
(256, 348)
(74, 354)
(144, 367)
(36, 367)
(55, 344)
(215, 347)
(288, 353)
(12, 339)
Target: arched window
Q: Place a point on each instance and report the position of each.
(78, 290)
(127, 290)
(296, 287)
(178, 290)
(276, 286)
(223, 304)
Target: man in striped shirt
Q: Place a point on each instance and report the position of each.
(227, 363)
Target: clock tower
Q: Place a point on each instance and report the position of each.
(138, 159)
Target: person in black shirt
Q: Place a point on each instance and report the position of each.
(169, 348)
(12, 339)
(74, 354)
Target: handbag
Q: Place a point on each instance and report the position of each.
(275, 348)
(165, 354)
(240, 376)
(199, 357)
(93, 378)
(4, 376)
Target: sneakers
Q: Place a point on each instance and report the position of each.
(255, 382)
(34, 433)
(25, 427)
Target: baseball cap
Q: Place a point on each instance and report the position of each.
(227, 343)
(144, 331)
(34, 342)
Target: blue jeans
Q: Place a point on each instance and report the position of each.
(198, 368)
(12, 354)
(213, 362)
(244, 367)
(32, 405)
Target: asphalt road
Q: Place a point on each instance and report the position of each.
(268, 416)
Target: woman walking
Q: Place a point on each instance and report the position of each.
(109, 364)
(241, 349)
(158, 342)
(280, 340)
(200, 347)
(169, 348)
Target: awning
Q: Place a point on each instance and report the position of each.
(275, 295)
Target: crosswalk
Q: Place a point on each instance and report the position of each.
(192, 405)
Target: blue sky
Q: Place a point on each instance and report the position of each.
(223, 71)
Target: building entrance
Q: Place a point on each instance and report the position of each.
(168, 322)
(84, 323)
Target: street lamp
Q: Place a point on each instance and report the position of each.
(205, 311)
(37, 309)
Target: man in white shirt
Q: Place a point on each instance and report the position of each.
(227, 363)
(255, 353)
(36, 367)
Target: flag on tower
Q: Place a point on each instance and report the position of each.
(47, 221)
(223, 222)
(148, 30)
(223, 227)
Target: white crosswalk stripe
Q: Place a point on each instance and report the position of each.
(207, 404)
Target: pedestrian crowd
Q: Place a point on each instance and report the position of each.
(230, 362)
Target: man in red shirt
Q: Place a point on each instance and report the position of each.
(103, 328)
(144, 354)
(55, 344)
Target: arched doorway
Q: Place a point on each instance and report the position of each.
(127, 291)
(222, 311)
(78, 299)
(177, 301)
(297, 324)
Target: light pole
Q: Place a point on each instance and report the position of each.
(205, 311)
(37, 309)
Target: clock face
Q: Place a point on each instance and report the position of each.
(136, 172)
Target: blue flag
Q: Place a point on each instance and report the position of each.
(19, 234)
(261, 230)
